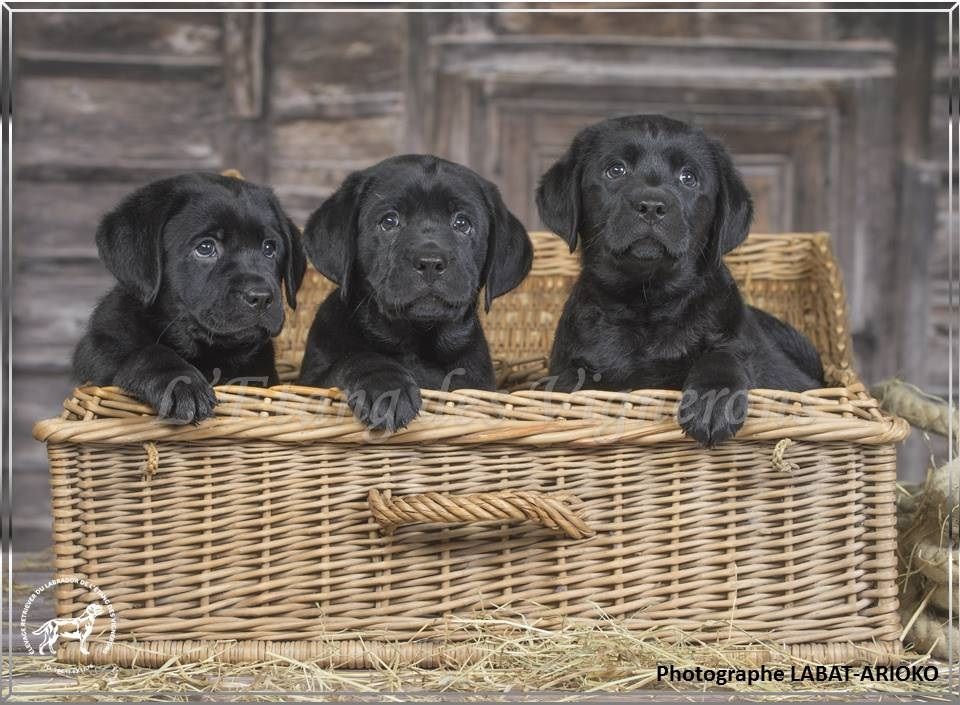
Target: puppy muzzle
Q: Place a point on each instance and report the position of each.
(427, 284)
(626, 237)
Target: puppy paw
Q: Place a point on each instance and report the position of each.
(711, 416)
(385, 400)
(185, 398)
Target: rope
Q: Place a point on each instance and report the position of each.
(779, 462)
(551, 510)
(152, 463)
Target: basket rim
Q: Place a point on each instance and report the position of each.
(298, 415)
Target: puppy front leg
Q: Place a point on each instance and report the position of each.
(381, 392)
(171, 385)
(473, 370)
(714, 403)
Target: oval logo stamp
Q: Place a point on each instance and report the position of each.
(44, 639)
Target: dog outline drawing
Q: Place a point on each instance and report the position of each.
(82, 627)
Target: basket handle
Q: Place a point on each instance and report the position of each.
(552, 510)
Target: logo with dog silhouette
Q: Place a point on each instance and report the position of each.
(96, 621)
(78, 629)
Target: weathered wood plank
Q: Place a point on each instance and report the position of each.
(309, 158)
(646, 24)
(120, 171)
(59, 220)
(321, 60)
(817, 60)
(243, 63)
(915, 51)
(37, 395)
(109, 123)
(810, 26)
(919, 182)
(53, 63)
(244, 137)
(185, 36)
(51, 305)
(910, 290)
(32, 523)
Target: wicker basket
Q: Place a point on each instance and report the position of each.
(282, 527)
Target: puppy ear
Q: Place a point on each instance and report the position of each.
(509, 250)
(330, 235)
(733, 212)
(295, 265)
(130, 238)
(295, 261)
(558, 198)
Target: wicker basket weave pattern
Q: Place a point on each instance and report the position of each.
(281, 526)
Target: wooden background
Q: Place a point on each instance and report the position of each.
(832, 118)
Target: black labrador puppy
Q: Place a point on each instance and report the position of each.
(200, 259)
(656, 204)
(410, 242)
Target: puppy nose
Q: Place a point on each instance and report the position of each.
(651, 210)
(431, 268)
(258, 297)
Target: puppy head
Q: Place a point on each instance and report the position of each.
(646, 194)
(210, 248)
(420, 236)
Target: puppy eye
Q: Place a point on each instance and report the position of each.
(688, 178)
(269, 248)
(390, 221)
(462, 223)
(615, 170)
(206, 248)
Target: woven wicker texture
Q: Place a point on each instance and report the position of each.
(283, 525)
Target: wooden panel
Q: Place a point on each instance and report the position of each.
(309, 158)
(195, 35)
(634, 24)
(942, 316)
(660, 24)
(58, 219)
(39, 395)
(245, 127)
(766, 26)
(243, 46)
(337, 64)
(52, 301)
(115, 124)
(770, 178)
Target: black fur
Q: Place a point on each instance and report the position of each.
(655, 306)
(405, 314)
(178, 321)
